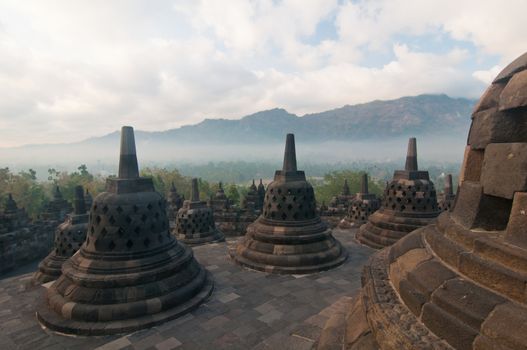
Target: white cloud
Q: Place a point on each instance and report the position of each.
(70, 70)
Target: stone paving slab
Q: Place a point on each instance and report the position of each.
(247, 310)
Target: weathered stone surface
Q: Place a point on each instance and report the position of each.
(490, 98)
(514, 95)
(472, 164)
(516, 232)
(506, 326)
(494, 126)
(289, 236)
(478, 210)
(504, 169)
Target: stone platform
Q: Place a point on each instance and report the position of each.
(247, 310)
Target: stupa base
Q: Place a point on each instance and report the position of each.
(213, 238)
(50, 319)
(383, 230)
(49, 269)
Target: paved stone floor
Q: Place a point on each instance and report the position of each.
(247, 310)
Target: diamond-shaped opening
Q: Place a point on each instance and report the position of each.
(128, 219)
(284, 216)
(103, 231)
(149, 206)
(111, 246)
(105, 209)
(129, 244)
(92, 230)
(119, 209)
(289, 207)
(146, 242)
(144, 217)
(97, 219)
(111, 220)
(279, 191)
(135, 208)
(95, 207)
(160, 238)
(137, 230)
(279, 206)
(120, 231)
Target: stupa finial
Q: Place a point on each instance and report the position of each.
(364, 183)
(448, 185)
(194, 192)
(411, 155)
(289, 154)
(128, 168)
(79, 204)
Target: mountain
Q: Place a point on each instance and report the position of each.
(406, 116)
(435, 119)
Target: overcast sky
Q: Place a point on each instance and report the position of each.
(74, 69)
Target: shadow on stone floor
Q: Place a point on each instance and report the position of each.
(248, 309)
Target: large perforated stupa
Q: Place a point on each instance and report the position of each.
(409, 202)
(289, 236)
(68, 239)
(131, 272)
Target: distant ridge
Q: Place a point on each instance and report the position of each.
(406, 116)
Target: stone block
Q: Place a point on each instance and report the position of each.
(428, 276)
(515, 66)
(490, 98)
(474, 209)
(444, 325)
(514, 95)
(516, 232)
(472, 163)
(494, 126)
(412, 298)
(407, 262)
(504, 170)
(507, 326)
(466, 301)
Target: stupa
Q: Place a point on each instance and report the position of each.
(88, 199)
(69, 237)
(174, 203)
(461, 283)
(361, 207)
(409, 202)
(130, 273)
(338, 207)
(57, 208)
(447, 198)
(261, 194)
(251, 201)
(12, 217)
(195, 221)
(289, 236)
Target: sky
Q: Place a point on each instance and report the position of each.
(72, 69)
